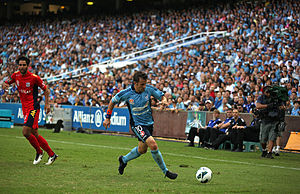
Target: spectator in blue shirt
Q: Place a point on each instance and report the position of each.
(296, 109)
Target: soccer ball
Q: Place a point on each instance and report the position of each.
(204, 175)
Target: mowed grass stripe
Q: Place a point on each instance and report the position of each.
(171, 154)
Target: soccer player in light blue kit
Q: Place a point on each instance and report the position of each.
(138, 98)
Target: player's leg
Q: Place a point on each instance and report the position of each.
(32, 139)
(141, 134)
(27, 128)
(43, 143)
(133, 154)
(136, 151)
(157, 156)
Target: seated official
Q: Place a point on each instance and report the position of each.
(204, 132)
(247, 133)
(236, 132)
(220, 133)
(222, 128)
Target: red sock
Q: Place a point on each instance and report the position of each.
(34, 142)
(45, 146)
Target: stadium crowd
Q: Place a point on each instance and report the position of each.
(220, 73)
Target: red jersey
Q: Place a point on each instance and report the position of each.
(28, 89)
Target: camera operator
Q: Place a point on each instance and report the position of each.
(270, 114)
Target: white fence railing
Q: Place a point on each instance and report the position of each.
(131, 58)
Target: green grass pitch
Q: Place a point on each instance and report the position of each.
(88, 164)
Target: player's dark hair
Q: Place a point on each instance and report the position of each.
(137, 75)
(23, 58)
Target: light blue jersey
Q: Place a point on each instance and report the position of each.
(139, 104)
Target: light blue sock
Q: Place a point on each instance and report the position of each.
(159, 160)
(134, 153)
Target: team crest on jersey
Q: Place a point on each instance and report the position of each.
(27, 84)
(33, 113)
(131, 101)
(146, 97)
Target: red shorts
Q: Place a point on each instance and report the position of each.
(31, 118)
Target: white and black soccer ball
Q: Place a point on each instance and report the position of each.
(204, 175)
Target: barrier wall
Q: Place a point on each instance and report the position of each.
(18, 113)
(167, 124)
(85, 117)
(6, 118)
(93, 117)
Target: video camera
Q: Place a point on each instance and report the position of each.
(278, 94)
(278, 97)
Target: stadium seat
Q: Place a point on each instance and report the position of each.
(225, 145)
(251, 146)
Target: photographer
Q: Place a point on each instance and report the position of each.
(270, 113)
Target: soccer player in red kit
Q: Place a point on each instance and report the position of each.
(27, 84)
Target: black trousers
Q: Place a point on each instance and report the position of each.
(250, 133)
(219, 140)
(203, 134)
(214, 134)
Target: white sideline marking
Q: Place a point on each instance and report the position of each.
(166, 153)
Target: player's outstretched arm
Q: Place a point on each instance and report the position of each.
(110, 108)
(47, 106)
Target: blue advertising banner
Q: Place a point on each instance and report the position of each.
(18, 113)
(93, 117)
(85, 117)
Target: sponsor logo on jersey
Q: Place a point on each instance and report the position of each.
(131, 101)
(27, 84)
(25, 91)
(33, 113)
